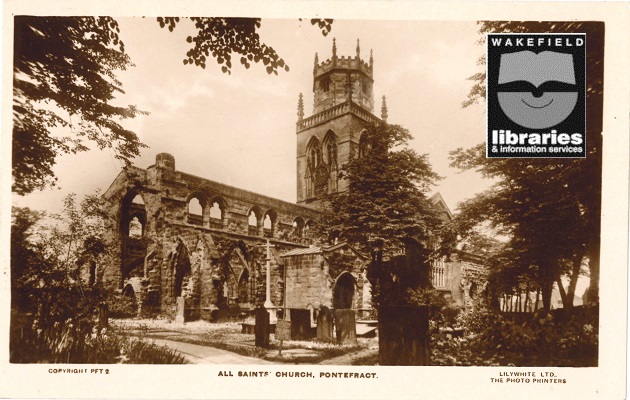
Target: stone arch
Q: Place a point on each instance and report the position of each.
(131, 205)
(298, 227)
(181, 269)
(130, 300)
(364, 144)
(254, 221)
(196, 205)
(217, 212)
(132, 222)
(344, 291)
(269, 223)
(244, 286)
(314, 162)
(231, 283)
(330, 148)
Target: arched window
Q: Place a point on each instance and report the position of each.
(137, 200)
(217, 212)
(216, 215)
(253, 221)
(298, 227)
(315, 168)
(314, 155)
(195, 211)
(325, 84)
(269, 223)
(194, 207)
(330, 148)
(364, 145)
(135, 228)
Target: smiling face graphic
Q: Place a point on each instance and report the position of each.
(536, 109)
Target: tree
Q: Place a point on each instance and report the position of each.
(386, 202)
(24, 254)
(51, 271)
(550, 208)
(64, 84)
(64, 77)
(219, 38)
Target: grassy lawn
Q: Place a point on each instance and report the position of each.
(228, 336)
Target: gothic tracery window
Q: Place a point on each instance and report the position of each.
(314, 160)
(364, 145)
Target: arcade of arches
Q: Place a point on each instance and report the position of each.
(186, 237)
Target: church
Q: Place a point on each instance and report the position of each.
(191, 248)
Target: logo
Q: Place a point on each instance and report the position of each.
(535, 94)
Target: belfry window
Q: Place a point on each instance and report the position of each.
(325, 84)
(364, 146)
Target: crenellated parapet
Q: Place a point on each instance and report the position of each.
(345, 63)
(343, 78)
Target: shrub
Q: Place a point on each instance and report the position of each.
(540, 340)
(69, 343)
(121, 306)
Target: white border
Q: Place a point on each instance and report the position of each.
(125, 381)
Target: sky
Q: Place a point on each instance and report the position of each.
(239, 129)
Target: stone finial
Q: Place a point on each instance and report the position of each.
(316, 61)
(384, 110)
(371, 59)
(358, 49)
(300, 113)
(334, 48)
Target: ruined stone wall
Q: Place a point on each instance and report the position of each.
(467, 276)
(310, 283)
(307, 282)
(204, 259)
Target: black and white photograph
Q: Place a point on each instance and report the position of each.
(315, 199)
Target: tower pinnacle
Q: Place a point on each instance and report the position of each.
(384, 110)
(300, 113)
(371, 59)
(316, 60)
(334, 50)
(358, 49)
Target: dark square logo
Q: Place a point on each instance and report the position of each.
(536, 95)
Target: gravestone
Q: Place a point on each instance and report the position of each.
(283, 330)
(403, 336)
(345, 326)
(300, 324)
(181, 310)
(325, 321)
(103, 315)
(261, 329)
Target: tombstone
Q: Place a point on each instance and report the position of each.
(300, 324)
(403, 335)
(261, 329)
(181, 310)
(103, 315)
(345, 326)
(325, 321)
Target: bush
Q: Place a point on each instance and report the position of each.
(539, 341)
(121, 306)
(70, 343)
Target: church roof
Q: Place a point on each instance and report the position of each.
(319, 250)
(438, 201)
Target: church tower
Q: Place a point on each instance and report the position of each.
(343, 106)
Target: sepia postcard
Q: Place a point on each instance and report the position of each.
(337, 199)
